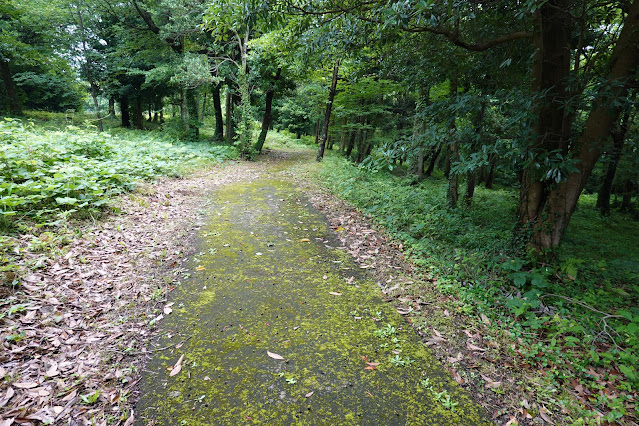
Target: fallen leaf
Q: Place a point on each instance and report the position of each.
(167, 310)
(474, 348)
(305, 240)
(458, 358)
(543, 412)
(456, 376)
(25, 385)
(490, 383)
(325, 277)
(177, 367)
(485, 319)
(200, 268)
(308, 395)
(274, 355)
(258, 254)
(334, 293)
(58, 409)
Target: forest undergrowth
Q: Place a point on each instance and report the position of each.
(573, 319)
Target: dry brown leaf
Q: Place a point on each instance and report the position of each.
(485, 319)
(177, 367)
(167, 310)
(456, 376)
(490, 383)
(274, 355)
(305, 240)
(308, 395)
(25, 385)
(544, 414)
(334, 293)
(474, 348)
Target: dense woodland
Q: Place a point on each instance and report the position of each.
(531, 104)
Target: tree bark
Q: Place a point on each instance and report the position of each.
(217, 106)
(546, 207)
(327, 115)
(112, 106)
(618, 140)
(193, 114)
(433, 159)
(452, 195)
(268, 116)
(351, 143)
(138, 120)
(14, 101)
(229, 116)
(124, 111)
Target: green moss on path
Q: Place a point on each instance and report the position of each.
(269, 276)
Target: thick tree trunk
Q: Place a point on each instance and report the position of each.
(217, 106)
(112, 106)
(14, 101)
(124, 111)
(268, 116)
(546, 207)
(327, 115)
(470, 189)
(139, 113)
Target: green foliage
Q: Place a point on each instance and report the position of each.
(48, 173)
(568, 317)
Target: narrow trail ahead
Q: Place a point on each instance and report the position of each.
(270, 281)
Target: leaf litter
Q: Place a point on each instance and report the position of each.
(82, 314)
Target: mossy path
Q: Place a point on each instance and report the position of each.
(269, 280)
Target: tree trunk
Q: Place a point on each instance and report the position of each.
(421, 159)
(351, 143)
(217, 106)
(318, 126)
(490, 178)
(124, 111)
(546, 207)
(14, 101)
(229, 116)
(471, 177)
(92, 84)
(433, 159)
(626, 196)
(470, 189)
(138, 114)
(203, 113)
(112, 106)
(452, 195)
(327, 115)
(618, 139)
(268, 117)
(193, 114)
(343, 136)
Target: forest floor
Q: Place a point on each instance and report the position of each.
(279, 317)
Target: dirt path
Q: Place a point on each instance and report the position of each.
(277, 324)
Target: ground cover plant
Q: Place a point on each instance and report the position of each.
(575, 317)
(49, 176)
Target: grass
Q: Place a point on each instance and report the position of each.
(573, 318)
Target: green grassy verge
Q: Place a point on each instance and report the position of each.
(51, 173)
(576, 319)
